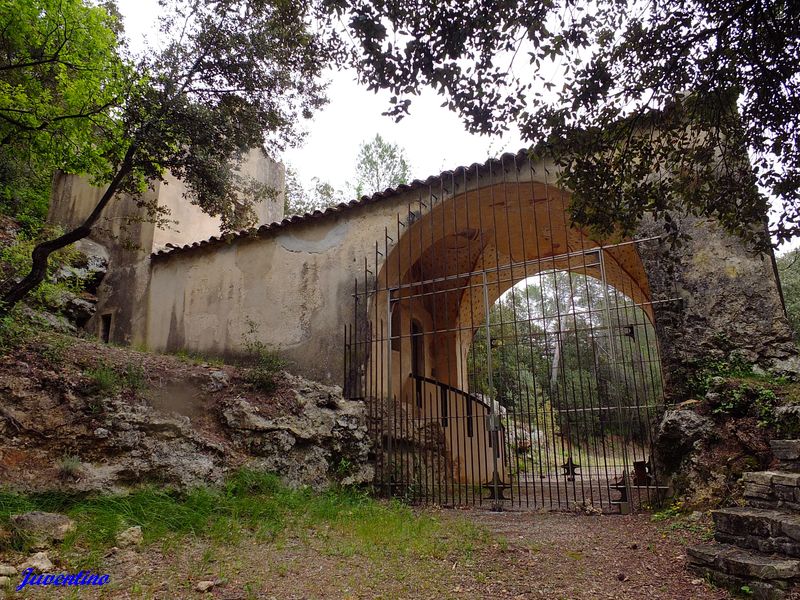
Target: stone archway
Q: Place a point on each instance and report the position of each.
(445, 264)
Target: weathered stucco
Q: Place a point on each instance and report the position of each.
(294, 286)
(130, 237)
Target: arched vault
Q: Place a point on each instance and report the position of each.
(499, 234)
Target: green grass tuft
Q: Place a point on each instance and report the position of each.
(347, 522)
(106, 380)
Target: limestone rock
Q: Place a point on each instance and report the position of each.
(786, 450)
(4, 581)
(742, 563)
(90, 271)
(219, 380)
(39, 562)
(8, 571)
(677, 434)
(788, 419)
(786, 367)
(54, 322)
(78, 308)
(305, 436)
(42, 528)
(304, 446)
(130, 537)
(204, 586)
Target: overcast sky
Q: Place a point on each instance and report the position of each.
(433, 138)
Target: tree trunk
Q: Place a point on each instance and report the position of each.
(41, 253)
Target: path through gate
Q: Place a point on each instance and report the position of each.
(506, 359)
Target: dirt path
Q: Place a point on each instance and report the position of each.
(556, 555)
(515, 555)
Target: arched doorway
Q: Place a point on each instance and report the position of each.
(465, 408)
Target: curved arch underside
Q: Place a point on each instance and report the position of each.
(500, 234)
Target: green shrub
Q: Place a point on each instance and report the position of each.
(25, 189)
(69, 467)
(266, 362)
(53, 348)
(133, 377)
(264, 374)
(705, 371)
(196, 358)
(108, 381)
(15, 330)
(746, 399)
(104, 379)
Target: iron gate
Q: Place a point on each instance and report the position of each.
(524, 380)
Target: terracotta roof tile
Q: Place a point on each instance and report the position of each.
(171, 249)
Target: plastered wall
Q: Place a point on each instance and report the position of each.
(130, 238)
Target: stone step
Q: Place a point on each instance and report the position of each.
(788, 453)
(767, 577)
(765, 530)
(772, 489)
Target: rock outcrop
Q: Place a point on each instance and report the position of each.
(713, 295)
(678, 433)
(325, 431)
(705, 445)
(40, 529)
(190, 425)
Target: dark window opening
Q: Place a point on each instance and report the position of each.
(417, 359)
(105, 328)
(395, 333)
(443, 399)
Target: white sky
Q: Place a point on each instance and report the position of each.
(433, 138)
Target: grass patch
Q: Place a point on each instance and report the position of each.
(195, 358)
(267, 363)
(15, 330)
(107, 380)
(264, 373)
(69, 467)
(345, 522)
(104, 379)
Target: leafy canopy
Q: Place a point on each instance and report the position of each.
(61, 81)
(234, 76)
(648, 107)
(380, 165)
(300, 199)
(229, 76)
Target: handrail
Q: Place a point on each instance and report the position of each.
(450, 388)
